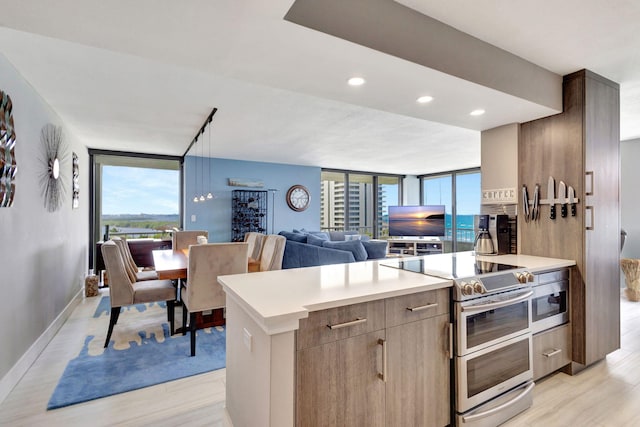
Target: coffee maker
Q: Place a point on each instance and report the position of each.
(500, 232)
(483, 244)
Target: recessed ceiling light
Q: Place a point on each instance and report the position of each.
(477, 112)
(356, 81)
(424, 99)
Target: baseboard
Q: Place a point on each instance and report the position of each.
(11, 379)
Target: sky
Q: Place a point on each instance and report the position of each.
(468, 193)
(127, 190)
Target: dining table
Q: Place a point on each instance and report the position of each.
(170, 264)
(173, 265)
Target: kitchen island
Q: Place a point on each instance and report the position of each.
(277, 326)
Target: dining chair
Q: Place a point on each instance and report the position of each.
(182, 239)
(272, 252)
(123, 291)
(132, 268)
(255, 241)
(202, 290)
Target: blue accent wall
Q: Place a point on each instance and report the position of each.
(215, 215)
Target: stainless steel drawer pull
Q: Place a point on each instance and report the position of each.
(347, 324)
(422, 307)
(475, 417)
(383, 375)
(552, 353)
(451, 341)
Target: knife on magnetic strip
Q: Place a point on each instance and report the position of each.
(551, 196)
(572, 200)
(562, 196)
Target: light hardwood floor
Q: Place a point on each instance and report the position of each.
(606, 394)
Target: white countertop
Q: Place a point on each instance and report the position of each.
(276, 300)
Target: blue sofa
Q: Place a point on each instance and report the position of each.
(307, 249)
(297, 254)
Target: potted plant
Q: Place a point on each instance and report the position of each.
(631, 270)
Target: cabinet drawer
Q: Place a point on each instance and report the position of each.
(551, 350)
(339, 323)
(412, 307)
(553, 276)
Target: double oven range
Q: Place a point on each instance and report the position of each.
(492, 316)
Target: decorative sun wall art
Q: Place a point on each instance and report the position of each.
(76, 181)
(55, 151)
(8, 166)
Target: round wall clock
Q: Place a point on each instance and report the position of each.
(298, 198)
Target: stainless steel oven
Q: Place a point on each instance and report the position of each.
(490, 320)
(494, 354)
(550, 303)
(488, 373)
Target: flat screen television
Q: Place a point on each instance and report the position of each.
(416, 221)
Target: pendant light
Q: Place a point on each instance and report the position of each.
(202, 198)
(193, 147)
(210, 195)
(195, 175)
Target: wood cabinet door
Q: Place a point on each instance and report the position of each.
(418, 373)
(337, 384)
(602, 224)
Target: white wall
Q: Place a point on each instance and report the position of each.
(411, 190)
(499, 157)
(43, 258)
(630, 197)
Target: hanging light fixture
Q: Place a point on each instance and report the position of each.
(194, 146)
(209, 194)
(195, 175)
(202, 198)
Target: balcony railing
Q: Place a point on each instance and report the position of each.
(463, 235)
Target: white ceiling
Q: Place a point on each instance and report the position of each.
(142, 76)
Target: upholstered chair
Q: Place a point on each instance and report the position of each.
(132, 269)
(183, 239)
(202, 291)
(123, 291)
(272, 252)
(255, 241)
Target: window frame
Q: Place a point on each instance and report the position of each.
(95, 186)
(375, 175)
(454, 212)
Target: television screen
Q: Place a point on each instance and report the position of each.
(416, 221)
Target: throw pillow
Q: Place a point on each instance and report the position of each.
(376, 249)
(353, 246)
(296, 237)
(315, 240)
(321, 234)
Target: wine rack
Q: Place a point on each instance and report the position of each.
(248, 213)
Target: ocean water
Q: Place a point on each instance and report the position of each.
(416, 227)
(462, 221)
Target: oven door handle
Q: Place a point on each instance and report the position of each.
(492, 305)
(474, 417)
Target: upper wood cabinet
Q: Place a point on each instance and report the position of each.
(580, 146)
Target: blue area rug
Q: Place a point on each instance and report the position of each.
(141, 353)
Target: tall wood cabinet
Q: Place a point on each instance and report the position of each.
(580, 146)
(381, 363)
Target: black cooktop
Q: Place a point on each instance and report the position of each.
(455, 266)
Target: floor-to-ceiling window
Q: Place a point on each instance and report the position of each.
(134, 196)
(459, 192)
(358, 201)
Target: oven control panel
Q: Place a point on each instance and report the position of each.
(472, 286)
(525, 277)
(475, 287)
